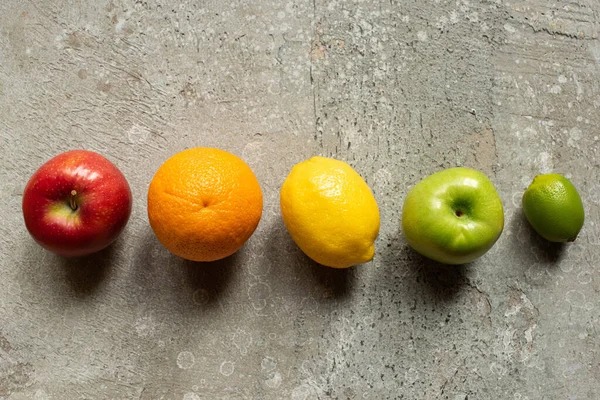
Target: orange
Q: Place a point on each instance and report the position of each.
(204, 204)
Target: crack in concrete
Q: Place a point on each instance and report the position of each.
(449, 380)
(558, 33)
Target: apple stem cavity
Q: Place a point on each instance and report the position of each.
(72, 201)
(458, 213)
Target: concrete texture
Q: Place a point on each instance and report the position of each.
(399, 89)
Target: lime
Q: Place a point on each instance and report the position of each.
(553, 207)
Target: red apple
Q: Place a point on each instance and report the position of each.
(76, 203)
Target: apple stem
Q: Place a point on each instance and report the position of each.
(72, 201)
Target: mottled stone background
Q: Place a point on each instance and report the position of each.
(398, 89)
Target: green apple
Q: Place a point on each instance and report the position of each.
(453, 216)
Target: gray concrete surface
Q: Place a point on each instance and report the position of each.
(397, 88)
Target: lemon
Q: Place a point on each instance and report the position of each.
(553, 207)
(330, 212)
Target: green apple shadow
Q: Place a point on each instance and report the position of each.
(159, 273)
(430, 280)
(305, 276)
(543, 251)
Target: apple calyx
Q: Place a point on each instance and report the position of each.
(72, 202)
(461, 207)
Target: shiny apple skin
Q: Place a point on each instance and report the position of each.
(103, 203)
(453, 216)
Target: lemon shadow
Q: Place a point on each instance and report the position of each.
(335, 283)
(306, 275)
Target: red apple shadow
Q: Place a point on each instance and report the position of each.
(431, 280)
(306, 276)
(86, 274)
(166, 278)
